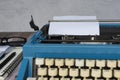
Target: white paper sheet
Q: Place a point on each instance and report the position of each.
(74, 18)
(74, 28)
(3, 49)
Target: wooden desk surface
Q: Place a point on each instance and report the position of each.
(11, 34)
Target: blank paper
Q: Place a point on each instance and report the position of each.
(74, 28)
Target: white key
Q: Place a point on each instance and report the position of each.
(30, 78)
(96, 72)
(76, 79)
(99, 79)
(79, 62)
(39, 61)
(100, 63)
(69, 62)
(52, 71)
(49, 62)
(84, 72)
(90, 63)
(117, 73)
(59, 62)
(54, 78)
(42, 78)
(73, 72)
(2, 78)
(65, 79)
(118, 63)
(107, 73)
(42, 71)
(111, 63)
(63, 71)
(87, 79)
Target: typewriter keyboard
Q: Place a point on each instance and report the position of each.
(76, 69)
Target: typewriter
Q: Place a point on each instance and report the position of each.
(73, 57)
(9, 62)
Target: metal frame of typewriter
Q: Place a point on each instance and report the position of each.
(44, 46)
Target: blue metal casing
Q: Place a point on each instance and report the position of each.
(33, 49)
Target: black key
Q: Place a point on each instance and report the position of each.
(117, 68)
(73, 67)
(79, 77)
(113, 78)
(7, 60)
(64, 66)
(43, 66)
(84, 67)
(101, 78)
(106, 68)
(91, 78)
(68, 76)
(57, 76)
(2, 56)
(96, 65)
(54, 66)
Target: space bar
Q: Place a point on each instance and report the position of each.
(7, 60)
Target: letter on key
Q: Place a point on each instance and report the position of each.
(118, 63)
(63, 72)
(79, 63)
(73, 72)
(111, 63)
(96, 73)
(59, 62)
(39, 61)
(54, 78)
(90, 63)
(69, 62)
(84, 72)
(49, 62)
(117, 73)
(100, 63)
(107, 73)
(42, 71)
(52, 71)
(42, 78)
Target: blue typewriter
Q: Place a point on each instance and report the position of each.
(90, 51)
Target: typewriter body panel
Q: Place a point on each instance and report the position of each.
(41, 45)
